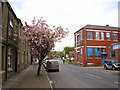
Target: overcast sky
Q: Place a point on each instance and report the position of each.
(71, 14)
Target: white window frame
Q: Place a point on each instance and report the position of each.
(89, 34)
(108, 36)
(97, 35)
(114, 36)
(102, 35)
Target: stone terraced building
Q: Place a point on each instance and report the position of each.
(15, 52)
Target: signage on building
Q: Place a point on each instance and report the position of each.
(116, 46)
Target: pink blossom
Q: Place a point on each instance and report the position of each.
(41, 37)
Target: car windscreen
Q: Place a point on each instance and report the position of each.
(52, 62)
(108, 62)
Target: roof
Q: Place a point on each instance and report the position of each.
(10, 8)
(107, 27)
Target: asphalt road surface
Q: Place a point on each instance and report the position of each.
(72, 76)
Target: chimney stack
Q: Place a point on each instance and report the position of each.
(107, 25)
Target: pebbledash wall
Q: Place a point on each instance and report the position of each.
(91, 42)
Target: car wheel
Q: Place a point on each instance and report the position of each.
(113, 68)
(47, 70)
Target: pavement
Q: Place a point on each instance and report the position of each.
(0, 81)
(28, 79)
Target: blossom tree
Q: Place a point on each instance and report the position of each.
(42, 39)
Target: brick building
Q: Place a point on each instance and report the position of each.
(15, 53)
(113, 51)
(91, 42)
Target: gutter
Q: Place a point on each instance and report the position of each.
(50, 83)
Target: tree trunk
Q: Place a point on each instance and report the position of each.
(39, 68)
(41, 56)
(40, 64)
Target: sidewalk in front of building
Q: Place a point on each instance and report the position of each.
(28, 79)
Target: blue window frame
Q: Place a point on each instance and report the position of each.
(89, 52)
(97, 52)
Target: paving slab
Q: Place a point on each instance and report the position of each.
(28, 79)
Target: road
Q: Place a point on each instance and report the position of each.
(72, 76)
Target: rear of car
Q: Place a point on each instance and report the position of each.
(116, 65)
(52, 65)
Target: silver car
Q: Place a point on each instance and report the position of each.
(52, 65)
(109, 64)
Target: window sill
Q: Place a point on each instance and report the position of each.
(115, 40)
(89, 39)
(97, 57)
(90, 57)
(99, 40)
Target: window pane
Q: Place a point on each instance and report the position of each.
(116, 46)
(97, 35)
(103, 49)
(9, 62)
(78, 38)
(89, 51)
(80, 35)
(80, 53)
(78, 56)
(102, 35)
(107, 36)
(112, 53)
(10, 31)
(89, 34)
(97, 52)
(11, 23)
(115, 36)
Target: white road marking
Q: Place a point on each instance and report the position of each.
(72, 70)
(117, 82)
(77, 71)
(50, 82)
(93, 75)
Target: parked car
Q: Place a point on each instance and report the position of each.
(110, 64)
(52, 65)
